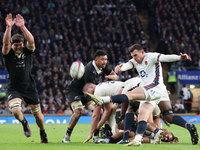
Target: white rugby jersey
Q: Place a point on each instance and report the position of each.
(131, 84)
(108, 88)
(150, 70)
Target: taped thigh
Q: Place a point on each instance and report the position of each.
(14, 104)
(91, 106)
(36, 110)
(77, 105)
(167, 112)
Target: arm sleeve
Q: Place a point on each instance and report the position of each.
(127, 66)
(169, 58)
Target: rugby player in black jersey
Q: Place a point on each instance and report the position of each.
(20, 84)
(93, 70)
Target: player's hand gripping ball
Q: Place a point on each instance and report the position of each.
(77, 70)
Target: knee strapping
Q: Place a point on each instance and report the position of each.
(167, 112)
(14, 104)
(76, 105)
(91, 106)
(36, 110)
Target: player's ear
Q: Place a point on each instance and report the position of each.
(92, 86)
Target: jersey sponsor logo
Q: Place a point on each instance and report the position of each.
(143, 74)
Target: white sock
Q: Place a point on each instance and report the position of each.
(151, 140)
(106, 99)
(138, 138)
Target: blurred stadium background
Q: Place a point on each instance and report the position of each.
(70, 30)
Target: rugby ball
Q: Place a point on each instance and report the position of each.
(77, 70)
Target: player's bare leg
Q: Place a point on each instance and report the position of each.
(167, 113)
(39, 118)
(15, 106)
(73, 121)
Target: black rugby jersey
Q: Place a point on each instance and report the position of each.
(90, 76)
(19, 69)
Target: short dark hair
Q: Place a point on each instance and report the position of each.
(16, 38)
(99, 53)
(135, 46)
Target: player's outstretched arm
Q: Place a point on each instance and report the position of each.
(7, 36)
(173, 57)
(94, 121)
(106, 115)
(29, 37)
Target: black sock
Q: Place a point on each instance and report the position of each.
(188, 126)
(178, 120)
(69, 131)
(156, 131)
(111, 140)
(128, 122)
(24, 121)
(141, 128)
(42, 131)
(96, 133)
(119, 98)
(107, 127)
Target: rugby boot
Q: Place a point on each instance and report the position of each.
(43, 136)
(123, 142)
(194, 134)
(158, 136)
(94, 98)
(27, 131)
(134, 143)
(66, 139)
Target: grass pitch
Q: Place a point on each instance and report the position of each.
(13, 138)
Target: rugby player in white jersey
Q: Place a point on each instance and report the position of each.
(153, 90)
(107, 89)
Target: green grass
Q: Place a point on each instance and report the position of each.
(12, 138)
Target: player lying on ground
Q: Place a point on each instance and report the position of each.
(148, 138)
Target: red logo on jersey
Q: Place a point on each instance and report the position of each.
(146, 62)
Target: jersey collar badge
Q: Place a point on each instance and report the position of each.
(146, 63)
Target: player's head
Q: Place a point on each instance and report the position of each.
(17, 42)
(100, 58)
(137, 52)
(89, 87)
(168, 137)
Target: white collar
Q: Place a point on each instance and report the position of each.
(96, 68)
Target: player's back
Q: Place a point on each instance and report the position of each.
(108, 88)
(131, 84)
